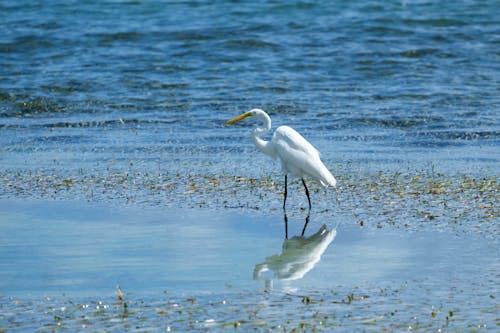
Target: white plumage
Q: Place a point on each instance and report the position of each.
(297, 156)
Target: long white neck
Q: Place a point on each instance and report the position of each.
(264, 146)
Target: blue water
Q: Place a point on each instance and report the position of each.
(82, 249)
(62, 262)
(86, 85)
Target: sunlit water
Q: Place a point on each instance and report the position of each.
(75, 248)
(392, 84)
(55, 253)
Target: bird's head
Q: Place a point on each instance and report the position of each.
(251, 113)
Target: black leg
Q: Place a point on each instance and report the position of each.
(307, 193)
(305, 224)
(284, 208)
(286, 223)
(284, 200)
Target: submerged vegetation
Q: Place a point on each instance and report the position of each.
(411, 201)
(372, 309)
(406, 201)
(379, 199)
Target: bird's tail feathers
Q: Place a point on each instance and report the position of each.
(326, 178)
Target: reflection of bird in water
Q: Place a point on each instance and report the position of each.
(297, 156)
(299, 255)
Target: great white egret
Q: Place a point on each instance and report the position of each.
(297, 156)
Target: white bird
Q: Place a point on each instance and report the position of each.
(297, 156)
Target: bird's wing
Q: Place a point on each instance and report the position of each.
(294, 140)
(299, 157)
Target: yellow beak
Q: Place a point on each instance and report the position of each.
(240, 117)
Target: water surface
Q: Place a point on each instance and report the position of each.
(53, 253)
(85, 86)
(70, 247)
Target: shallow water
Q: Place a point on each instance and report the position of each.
(55, 252)
(88, 249)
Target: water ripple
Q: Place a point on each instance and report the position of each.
(350, 70)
